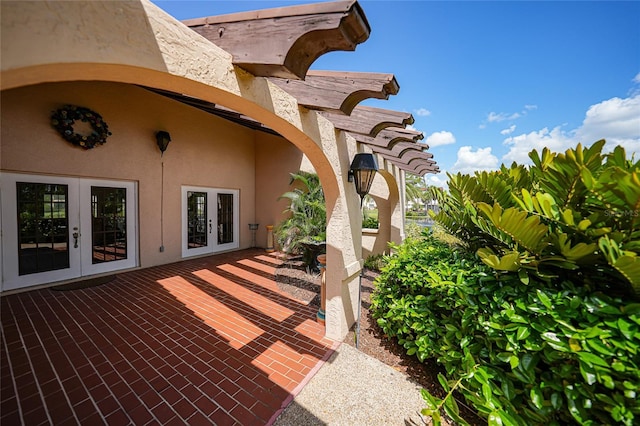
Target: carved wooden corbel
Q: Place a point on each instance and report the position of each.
(284, 42)
(338, 91)
(369, 121)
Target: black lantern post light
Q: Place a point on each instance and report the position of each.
(362, 171)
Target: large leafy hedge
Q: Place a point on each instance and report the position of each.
(572, 215)
(533, 317)
(520, 355)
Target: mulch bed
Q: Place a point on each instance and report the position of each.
(293, 278)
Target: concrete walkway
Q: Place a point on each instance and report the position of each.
(354, 389)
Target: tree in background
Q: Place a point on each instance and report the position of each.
(415, 188)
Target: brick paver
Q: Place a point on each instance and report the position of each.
(204, 341)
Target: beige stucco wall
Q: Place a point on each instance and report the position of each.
(137, 43)
(276, 157)
(205, 151)
(385, 190)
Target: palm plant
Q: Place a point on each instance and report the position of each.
(304, 230)
(415, 188)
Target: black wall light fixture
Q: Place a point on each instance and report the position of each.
(163, 138)
(362, 171)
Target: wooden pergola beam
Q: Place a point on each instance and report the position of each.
(369, 121)
(400, 149)
(337, 91)
(418, 167)
(388, 138)
(284, 42)
(409, 156)
(424, 171)
(411, 159)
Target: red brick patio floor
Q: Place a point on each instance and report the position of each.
(204, 341)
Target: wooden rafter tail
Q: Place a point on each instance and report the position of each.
(411, 161)
(420, 169)
(414, 135)
(408, 157)
(338, 92)
(408, 135)
(369, 121)
(381, 141)
(285, 41)
(389, 137)
(398, 150)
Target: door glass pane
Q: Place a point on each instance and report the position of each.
(43, 236)
(225, 218)
(196, 219)
(108, 224)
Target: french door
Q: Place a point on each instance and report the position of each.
(57, 228)
(209, 220)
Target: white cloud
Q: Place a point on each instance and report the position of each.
(509, 130)
(440, 180)
(502, 116)
(636, 79)
(556, 140)
(423, 112)
(440, 138)
(497, 117)
(616, 120)
(469, 161)
(410, 127)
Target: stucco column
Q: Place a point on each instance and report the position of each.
(398, 210)
(384, 203)
(322, 261)
(388, 191)
(344, 242)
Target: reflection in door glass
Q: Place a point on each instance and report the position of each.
(196, 219)
(108, 224)
(225, 218)
(43, 236)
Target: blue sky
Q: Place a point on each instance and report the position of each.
(488, 81)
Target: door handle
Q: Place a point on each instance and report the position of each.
(75, 238)
(210, 226)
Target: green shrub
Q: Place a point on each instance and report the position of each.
(375, 262)
(570, 217)
(441, 235)
(520, 354)
(412, 230)
(370, 222)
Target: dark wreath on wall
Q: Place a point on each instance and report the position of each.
(63, 119)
